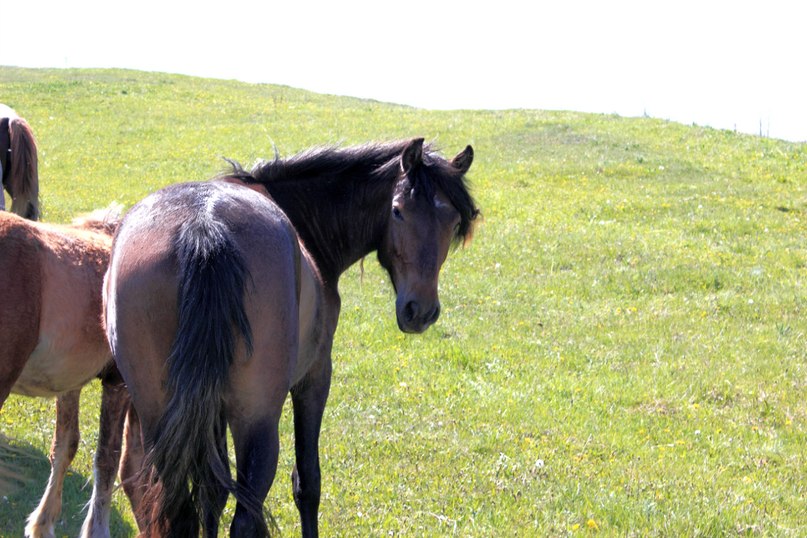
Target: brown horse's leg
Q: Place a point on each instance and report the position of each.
(9, 372)
(133, 477)
(114, 402)
(18, 342)
(254, 404)
(256, 452)
(65, 445)
(309, 399)
(213, 513)
(20, 312)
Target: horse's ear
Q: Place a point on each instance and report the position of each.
(463, 160)
(412, 156)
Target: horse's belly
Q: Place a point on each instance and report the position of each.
(50, 371)
(319, 312)
(72, 347)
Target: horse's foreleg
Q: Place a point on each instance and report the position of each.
(65, 445)
(309, 399)
(114, 402)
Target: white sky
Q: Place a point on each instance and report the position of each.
(726, 64)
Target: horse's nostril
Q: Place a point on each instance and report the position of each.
(416, 318)
(411, 311)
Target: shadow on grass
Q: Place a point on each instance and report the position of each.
(24, 473)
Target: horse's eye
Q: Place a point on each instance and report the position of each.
(397, 213)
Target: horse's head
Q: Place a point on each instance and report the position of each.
(429, 210)
(19, 164)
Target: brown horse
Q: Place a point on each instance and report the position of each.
(18, 164)
(54, 343)
(202, 315)
(401, 199)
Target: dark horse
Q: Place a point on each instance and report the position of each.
(271, 312)
(18, 164)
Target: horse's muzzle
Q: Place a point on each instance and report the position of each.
(415, 318)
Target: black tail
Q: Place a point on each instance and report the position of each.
(186, 445)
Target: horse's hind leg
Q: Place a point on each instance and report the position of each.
(135, 479)
(309, 398)
(254, 404)
(256, 454)
(65, 445)
(114, 402)
(132, 475)
(213, 513)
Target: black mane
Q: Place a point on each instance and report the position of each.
(322, 161)
(338, 197)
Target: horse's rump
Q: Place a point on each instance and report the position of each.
(203, 244)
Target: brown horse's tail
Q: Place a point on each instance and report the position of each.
(22, 181)
(105, 221)
(189, 450)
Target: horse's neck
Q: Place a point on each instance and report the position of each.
(342, 245)
(337, 236)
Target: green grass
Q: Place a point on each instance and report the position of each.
(622, 349)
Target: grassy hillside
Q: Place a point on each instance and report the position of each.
(623, 347)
